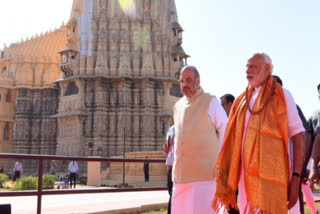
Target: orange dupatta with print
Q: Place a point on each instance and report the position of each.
(265, 156)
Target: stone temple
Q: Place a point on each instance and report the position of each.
(107, 79)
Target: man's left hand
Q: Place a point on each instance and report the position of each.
(294, 189)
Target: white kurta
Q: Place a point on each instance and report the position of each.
(295, 127)
(170, 155)
(196, 197)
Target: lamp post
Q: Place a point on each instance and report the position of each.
(124, 157)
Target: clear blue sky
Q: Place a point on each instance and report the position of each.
(220, 35)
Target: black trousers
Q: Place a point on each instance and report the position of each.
(146, 171)
(73, 179)
(170, 185)
(16, 175)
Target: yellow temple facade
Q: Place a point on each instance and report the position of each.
(104, 83)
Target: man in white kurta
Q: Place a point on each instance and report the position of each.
(262, 155)
(200, 123)
(295, 127)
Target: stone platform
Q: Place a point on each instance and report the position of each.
(134, 172)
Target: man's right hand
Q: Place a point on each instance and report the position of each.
(166, 148)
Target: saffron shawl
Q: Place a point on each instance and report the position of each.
(265, 155)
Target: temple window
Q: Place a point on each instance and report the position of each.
(72, 88)
(6, 132)
(64, 59)
(68, 31)
(4, 69)
(8, 97)
(182, 62)
(180, 36)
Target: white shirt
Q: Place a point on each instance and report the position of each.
(17, 167)
(170, 155)
(219, 118)
(73, 167)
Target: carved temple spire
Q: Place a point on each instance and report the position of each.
(102, 51)
(76, 10)
(124, 61)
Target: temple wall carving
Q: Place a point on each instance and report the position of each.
(116, 109)
(35, 129)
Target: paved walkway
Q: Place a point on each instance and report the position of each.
(101, 203)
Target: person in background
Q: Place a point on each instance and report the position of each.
(73, 169)
(226, 102)
(53, 167)
(307, 192)
(314, 122)
(308, 148)
(146, 170)
(17, 170)
(168, 148)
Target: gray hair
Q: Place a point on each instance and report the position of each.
(193, 68)
(266, 59)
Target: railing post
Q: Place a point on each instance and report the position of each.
(124, 157)
(40, 171)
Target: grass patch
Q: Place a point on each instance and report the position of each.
(48, 181)
(26, 183)
(162, 211)
(306, 208)
(3, 178)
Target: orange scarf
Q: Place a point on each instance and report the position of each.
(265, 156)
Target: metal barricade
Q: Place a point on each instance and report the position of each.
(40, 192)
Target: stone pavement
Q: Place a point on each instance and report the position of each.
(100, 203)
